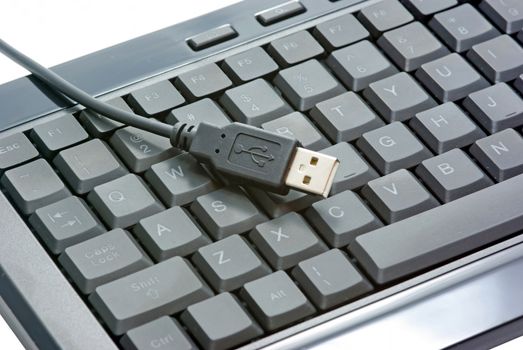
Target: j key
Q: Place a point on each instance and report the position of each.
(411, 45)
(124, 201)
(340, 218)
(276, 301)
(330, 279)
(162, 289)
(102, 259)
(277, 205)
(496, 108)
(205, 110)
(57, 134)
(462, 27)
(179, 180)
(226, 211)
(398, 195)
(156, 99)
(248, 65)
(229, 263)
(203, 81)
(500, 154)
(100, 126)
(295, 48)
(88, 165)
(15, 149)
(450, 78)
(286, 241)
(393, 147)
(306, 84)
(173, 232)
(423, 8)
(383, 16)
(506, 14)
(445, 127)
(33, 185)
(254, 103)
(65, 223)
(340, 31)
(297, 126)
(359, 65)
(220, 322)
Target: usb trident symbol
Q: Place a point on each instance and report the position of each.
(260, 158)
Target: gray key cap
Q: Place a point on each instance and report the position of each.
(306, 84)
(277, 205)
(445, 127)
(124, 201)
(462, 27)
(450, 78)
(496, 108)
(295, 48)
(423, 8)
(226, 211)
(100, 126)
(411, 46)
(297, 126)
(102, 259)
(280, 12)
(340, 218)
(15, 149)
(254, 103)
(276, 301)
(359, 65)
(88, 165)
(173, 232)
(203, 81)
(212, 37)
(286, 241)
(33, 185)
(205, 320)
(330, 279)
(383, 16)
(442, 233)
(506, 14)
(205, 110)
(500, 154)
(340, 31)
(392, 147)
(65, 223)
(164, 332)
(229, 263)
(57, 134)
(248, 65)
(162, 289)
(397, 196)
(156, 99)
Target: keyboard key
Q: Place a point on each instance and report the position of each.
(102, 259)
(124, 201)
(203, 81)
(57, 134)
(248, 65)
(212, 37)
(14, 150)
(506, 14)
(162, 289)
(383, 16)
(220, 322)
(306, 84)
(340, 31)
(277, 205)
(295, 48)
(276, 301)
(205, 110)
(397, 196)
(156, 99)
(173, 232)
(423, 8)
(286, 241)
(280, 12)
(229, 263)
(450, 78)
(330, 279)
(100, 126)
(226, 211)
(34, 185)
(392, 147)
(500, 154)
(342, 217)
(359, 65)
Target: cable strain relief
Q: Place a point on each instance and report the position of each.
(182, 135)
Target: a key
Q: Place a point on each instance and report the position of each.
(14, 150)
(383, 16)
(340, 31)
(33, 185)
(205, 110)
(423, 8)
(501, 154)
(156, 99)
(220, 322)
(411, 46)
(276, 301)
(450, 78)
(297, 126)
(173, 232)
(397, 196)
(496, 108)
(342, 217)
(65, 223)
(100, 126)
(506, 14)
(88, 165)
(360, 64)
(124, 201)
(201, 82)
(254, 103)
(248, 65)
(277, 205)
(306, 84)
(57, 134)
(295, 48)
(159, 290)
(445, 127)
(102, 259)
(226, 211)
(229, 263)
(392, 147)
(286, 241)
(330, 279)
